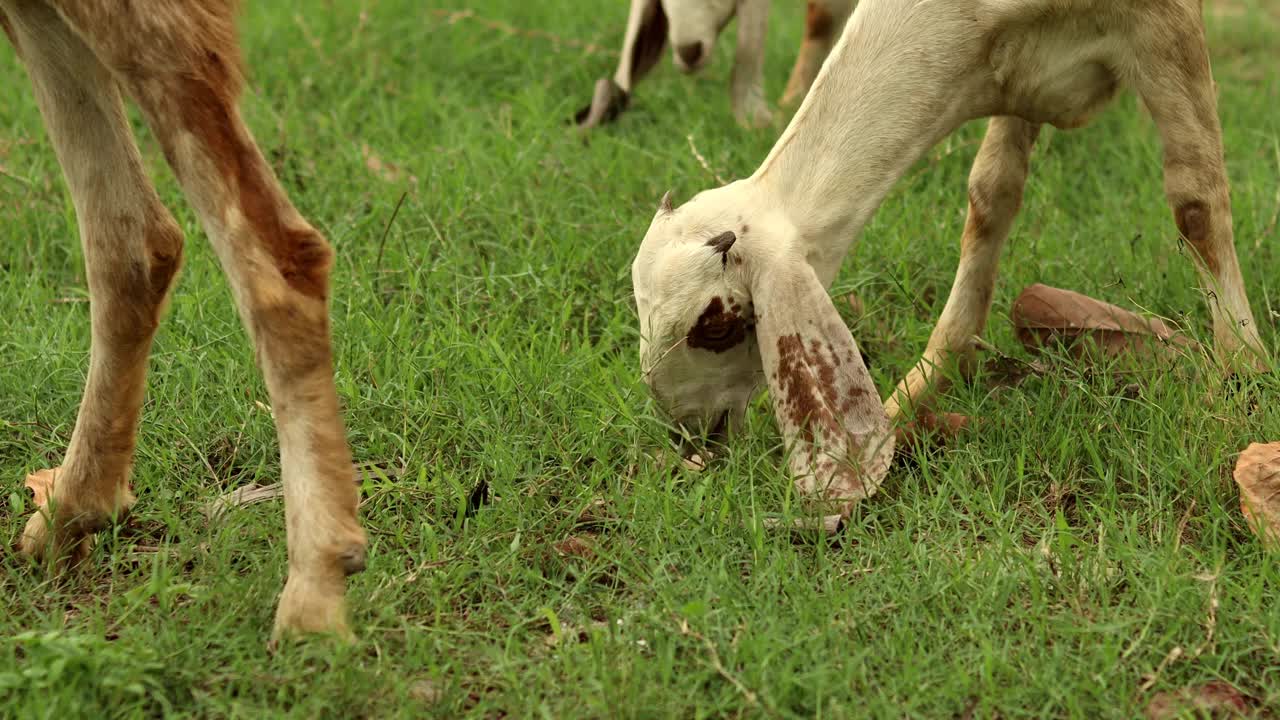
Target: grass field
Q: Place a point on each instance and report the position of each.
(1081, 552)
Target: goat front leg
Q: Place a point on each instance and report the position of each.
(642, 47)
(995, 195)
(1178, 90)
(747, 84)
(823, 24)
(132, 250)
(278, 267)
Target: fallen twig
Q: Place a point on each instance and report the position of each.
(453, 16)
(253, 494)
(703, 161)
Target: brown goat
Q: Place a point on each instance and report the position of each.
(179, 61)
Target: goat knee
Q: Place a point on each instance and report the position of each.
(993, 203)
(303, 258)
(164, 245)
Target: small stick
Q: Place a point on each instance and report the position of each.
(705, 165)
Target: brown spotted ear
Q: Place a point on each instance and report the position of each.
(830, 414)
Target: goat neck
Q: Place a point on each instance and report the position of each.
(901, 78)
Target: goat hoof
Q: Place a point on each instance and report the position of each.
(312, 605)
(608, 101)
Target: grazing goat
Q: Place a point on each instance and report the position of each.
(692, 27)
(180, 61)
(731, 287)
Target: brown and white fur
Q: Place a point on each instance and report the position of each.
(691, 27)
(179, 61)
(730, 284)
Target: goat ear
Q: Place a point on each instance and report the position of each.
(830, 414)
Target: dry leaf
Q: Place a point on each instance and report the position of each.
(40, 483)
(1043, 315)
(927, 431)
(389, 172)
(826, 524)
(855, 304)
(694, 462)
(1258, 475)
(252, 494)
(241, 496)
(595, 516)
(574, 546)
(1215, 700)
(1005, 371)
(427, 692)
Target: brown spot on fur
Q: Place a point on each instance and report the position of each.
(164, 246)
(717, 330)
(807, 383)
(301, 255)
(1193, 223)
(977, 216)
(818, 23)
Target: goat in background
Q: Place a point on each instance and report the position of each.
(692, 27)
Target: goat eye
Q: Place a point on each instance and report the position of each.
(717, 332)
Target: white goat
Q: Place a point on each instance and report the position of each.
(731, 286)
(692, 27)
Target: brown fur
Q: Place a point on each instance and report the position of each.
(818, 22)
(718, 329)
(823, 22)
(180, 61)
(1192, 219)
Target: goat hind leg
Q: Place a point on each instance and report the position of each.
(278, 268)
(132, 249)
(1185, 111)
(995, 194)
(823, 23)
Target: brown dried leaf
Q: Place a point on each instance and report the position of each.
(574, 546)
(40, 483)
(387, 171)
(1044, 315)
(252, 494)
(826, 524)
(1258, 475)
(241, 496)
(426, 691)
(928, 430)
(1215, 700)
(595, 516)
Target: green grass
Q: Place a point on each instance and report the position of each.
(1044, 565)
